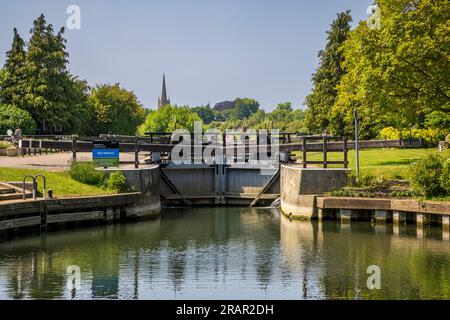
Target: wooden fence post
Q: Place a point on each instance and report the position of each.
(345, 153)
(74, 148)
(304, 153)
(136, 152)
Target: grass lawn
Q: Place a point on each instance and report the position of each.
(390, 163)
(60, 182)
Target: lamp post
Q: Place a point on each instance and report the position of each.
(355, 115)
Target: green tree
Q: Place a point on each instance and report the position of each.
(328, 75)
(169, 118)
(84, 118)
(400, 72)
(37, 80)
(12, 118)
(244, 108)
(46, 77)
(117, 110)
(206, 113)
(11, 81)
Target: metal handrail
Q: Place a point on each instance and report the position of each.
(34, 186)
(45, 183)
(34, 191)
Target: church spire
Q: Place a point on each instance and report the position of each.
(163, 100)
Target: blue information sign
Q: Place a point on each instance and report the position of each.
(106, 153)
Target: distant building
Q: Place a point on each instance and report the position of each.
(163, 100)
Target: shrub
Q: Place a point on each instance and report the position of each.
(367, 181)
(12, 117)
(445, 177)
(117, 182)
(430, 135)
(85, 172)
(4, 145)
(426, 176)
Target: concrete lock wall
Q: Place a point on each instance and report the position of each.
(300, 187)
(144, 180)
(218, 184)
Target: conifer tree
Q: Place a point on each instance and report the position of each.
(11, 82)
(328, 75)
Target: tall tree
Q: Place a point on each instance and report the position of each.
(328, 75)
(400, 72)
(47, 78)
(11, 82)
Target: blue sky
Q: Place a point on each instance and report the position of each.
(210, 50)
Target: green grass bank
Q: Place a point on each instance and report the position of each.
(390, 163)
(60, 182)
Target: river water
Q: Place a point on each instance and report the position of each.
(227, 253)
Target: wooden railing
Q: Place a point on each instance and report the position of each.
(160, 142)
(325, 140)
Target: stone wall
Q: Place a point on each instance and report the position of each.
(300, 187)
(145, 180)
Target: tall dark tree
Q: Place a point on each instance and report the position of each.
(328, 75)
(11, 82)
(47, 77)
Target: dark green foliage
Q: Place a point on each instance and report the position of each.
(244, 108)
(37, 80)
(13, 118)
(445, 176)
(85, 172)
(207, 114)
(13, 75)
(328, 75)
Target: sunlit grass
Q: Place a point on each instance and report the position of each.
(60, 182)
(392, 163)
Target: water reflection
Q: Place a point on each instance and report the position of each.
(227, 253)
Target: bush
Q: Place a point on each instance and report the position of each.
(117, 182)
(427, 176)
(367, 181)
(445, 177)
(429, 136)
(85, 172)
(12, 118)
(4, 145)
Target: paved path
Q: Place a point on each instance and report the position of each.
(54, 162)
